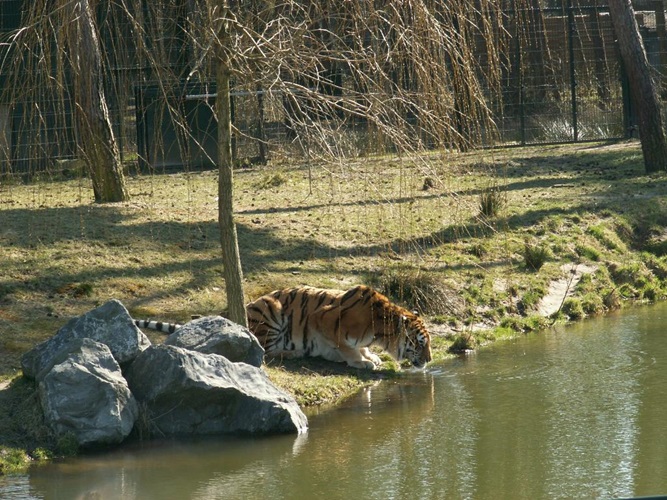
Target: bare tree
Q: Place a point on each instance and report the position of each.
(392, 71)
(56, 65)
(228, 237)
(642, 87)
(96, 141)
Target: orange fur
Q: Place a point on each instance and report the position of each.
(338, 325)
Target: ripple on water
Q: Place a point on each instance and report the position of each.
(16, 488)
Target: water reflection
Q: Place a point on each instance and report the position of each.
(166, 470)
(573, 413)
(593, 424)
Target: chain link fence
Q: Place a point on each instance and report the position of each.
(561, 81)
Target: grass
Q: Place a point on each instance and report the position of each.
(317, 383)
(535, 256)
(365, 220)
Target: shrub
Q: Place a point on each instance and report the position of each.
(418, 290)
(530, 299)
(479, 250)
(535, 255)
(657, 265)
(514, 323)
(491, 201)
(573, 309)
(465, 341)
(633, 273)
(611, 299)
(535, 322)
(271, 180)
(652, 292)
(627, 291)
(592, 304)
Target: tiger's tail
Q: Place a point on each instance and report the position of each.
(157, 325)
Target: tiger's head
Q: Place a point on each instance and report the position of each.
(415, 340)
(401, 332)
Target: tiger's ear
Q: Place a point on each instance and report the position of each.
(415, 312)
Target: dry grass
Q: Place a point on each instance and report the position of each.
(364, 220)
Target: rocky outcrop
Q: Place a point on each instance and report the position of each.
(83, 394)
(218, 335)
(208, 382)
(187, 392)
(109, 324)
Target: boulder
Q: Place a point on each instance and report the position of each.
(188, 393)
(218, 335)
(109, 324)
(83, 393)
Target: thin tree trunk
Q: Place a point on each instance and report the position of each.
(233, 272)
(642, 88)
(96, 141)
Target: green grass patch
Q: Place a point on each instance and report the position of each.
(588, 252)
(315, 382)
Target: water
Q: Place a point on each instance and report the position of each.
(578, 412)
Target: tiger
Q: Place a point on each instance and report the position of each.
(338, 325)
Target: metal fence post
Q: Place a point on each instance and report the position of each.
(573, 77)
(520, 76)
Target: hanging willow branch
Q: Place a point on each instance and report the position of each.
(407, 75)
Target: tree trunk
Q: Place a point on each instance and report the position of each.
(96, 141)
(233, 272)
(642, 88)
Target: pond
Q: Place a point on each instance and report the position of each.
(574, 412)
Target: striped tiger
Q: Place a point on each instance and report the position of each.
(338, 325)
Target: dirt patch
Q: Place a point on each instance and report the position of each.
(562, 288)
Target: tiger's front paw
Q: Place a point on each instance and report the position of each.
(375, 359)
(363, 364)
(371, 356)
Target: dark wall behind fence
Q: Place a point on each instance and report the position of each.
(562, 81)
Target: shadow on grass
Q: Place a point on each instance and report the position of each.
(262, 249)
(21, 421)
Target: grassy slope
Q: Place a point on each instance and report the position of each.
(362, 221)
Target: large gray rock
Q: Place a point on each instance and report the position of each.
(83, 393)
(109, 324)
(218, 335)
(187, 392)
